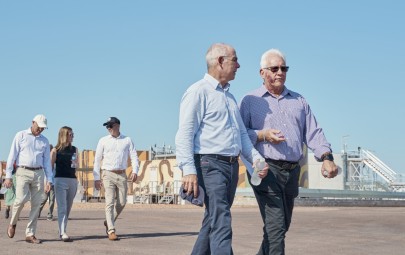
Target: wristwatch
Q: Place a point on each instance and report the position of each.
(327, 156)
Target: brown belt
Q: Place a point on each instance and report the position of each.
(30, 168)
(116, 171)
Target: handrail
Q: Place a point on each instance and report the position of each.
(379, 162)
(380, 167)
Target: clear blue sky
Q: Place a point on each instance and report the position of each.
(79, 62)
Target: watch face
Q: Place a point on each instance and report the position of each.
(328, 157)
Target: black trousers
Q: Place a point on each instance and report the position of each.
(275, 196)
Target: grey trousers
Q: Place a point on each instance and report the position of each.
(51, 196)
(65, 192)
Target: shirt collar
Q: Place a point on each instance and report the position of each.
(30, 132)
(262, 91)
(118, 137)
(214, 83)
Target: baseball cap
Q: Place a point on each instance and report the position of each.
(199, 201)
(111, 120)
(41, 121)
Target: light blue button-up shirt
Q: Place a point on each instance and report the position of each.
(29, 150)
(210, 123)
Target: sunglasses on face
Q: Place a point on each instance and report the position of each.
(71, 134)
(274, 69)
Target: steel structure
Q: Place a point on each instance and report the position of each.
(155, 193)
(365, 171)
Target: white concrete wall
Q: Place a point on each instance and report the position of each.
(317, 181)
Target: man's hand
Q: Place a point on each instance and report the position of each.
(263, 173)
(273, 136)
(98, 184)
(134, 176)
(8, 183)
(329, 169)
(190, 184)
(47, 187)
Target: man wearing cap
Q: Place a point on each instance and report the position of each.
(114, 150)
(30, 152)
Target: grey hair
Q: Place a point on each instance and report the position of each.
(215, 51)
(263, 61)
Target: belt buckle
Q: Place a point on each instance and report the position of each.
(232, 160)
(290, 166)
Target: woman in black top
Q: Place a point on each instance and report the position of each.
(64, 159)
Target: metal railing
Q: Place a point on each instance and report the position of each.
(155, 193)
(378, 166)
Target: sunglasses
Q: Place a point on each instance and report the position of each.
(71, 134)
(274, 69)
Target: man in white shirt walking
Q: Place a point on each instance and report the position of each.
(30, 152)
(114, 150)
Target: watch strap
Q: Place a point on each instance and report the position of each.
(327, 156)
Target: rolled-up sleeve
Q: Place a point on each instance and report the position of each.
(12, 156)
(97, 160)
(133, 155)
(191, 112)
(47, 163)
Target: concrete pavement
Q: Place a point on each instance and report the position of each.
(173, 229)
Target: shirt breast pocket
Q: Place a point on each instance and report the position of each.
(296, 113)
(41, 146)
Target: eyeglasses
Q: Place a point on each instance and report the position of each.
(71, 134)
(274, 69)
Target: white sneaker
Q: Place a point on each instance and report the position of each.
(65, 238)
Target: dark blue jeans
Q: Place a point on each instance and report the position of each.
(219, 180)
(275, 196)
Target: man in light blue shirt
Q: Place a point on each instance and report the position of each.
(210, 138)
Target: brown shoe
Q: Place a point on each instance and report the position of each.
(112, 236)
(32, 239)
(11, 230)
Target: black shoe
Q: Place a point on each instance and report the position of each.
(7, 213)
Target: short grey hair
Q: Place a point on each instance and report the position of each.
(215, 51)
(263, 61)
